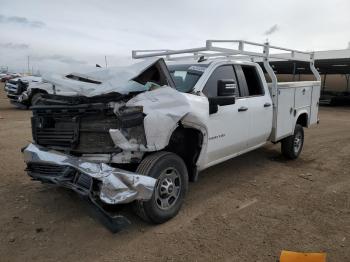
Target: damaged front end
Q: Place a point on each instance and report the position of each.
(91, 143)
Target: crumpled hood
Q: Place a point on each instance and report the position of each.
(122, 80)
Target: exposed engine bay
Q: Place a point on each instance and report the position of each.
(84, 128)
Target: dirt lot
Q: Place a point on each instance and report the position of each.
(247, 209)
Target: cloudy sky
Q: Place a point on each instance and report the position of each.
(75, 35)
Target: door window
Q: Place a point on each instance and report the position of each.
(252, 78)
(225, 72)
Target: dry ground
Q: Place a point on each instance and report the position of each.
(247, 209)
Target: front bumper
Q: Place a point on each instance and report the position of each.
(113, 185)
(99, 182)
(12, 96)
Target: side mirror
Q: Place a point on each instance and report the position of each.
(214, 102)
(227, 87)
(226, 95)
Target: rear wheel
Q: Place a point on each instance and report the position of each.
(170, 190)
(292, 146)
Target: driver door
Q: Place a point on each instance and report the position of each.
(228, 128)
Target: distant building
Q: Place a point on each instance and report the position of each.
(334, 67)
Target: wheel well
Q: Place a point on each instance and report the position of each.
(302, 120)
(36, 90)
(33, 93)
(187, 143)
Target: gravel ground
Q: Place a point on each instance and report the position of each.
(246, 209)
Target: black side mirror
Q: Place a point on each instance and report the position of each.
(226, 95)
(227, 87)
(215, 102)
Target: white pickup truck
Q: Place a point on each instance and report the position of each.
(18, 90)
(139, 134)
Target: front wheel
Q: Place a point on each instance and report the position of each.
(35, 99)
(291, 146)
(170, 190)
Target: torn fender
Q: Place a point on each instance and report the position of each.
(118, 186)
(164, 107)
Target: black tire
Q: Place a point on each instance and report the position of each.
(163, 166)
(292, 146)
(35, 99)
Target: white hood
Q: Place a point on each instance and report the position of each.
(122, 80)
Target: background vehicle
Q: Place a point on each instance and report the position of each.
(17, 90)
(8, 76)
(139, 136)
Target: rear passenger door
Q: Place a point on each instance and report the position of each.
(259, 104)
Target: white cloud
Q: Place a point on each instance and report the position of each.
(10, 45)
(19, 20)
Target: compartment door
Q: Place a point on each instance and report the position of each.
(285, 117)
(303, 97)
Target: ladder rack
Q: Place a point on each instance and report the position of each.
(212, 50)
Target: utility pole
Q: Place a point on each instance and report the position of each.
(28, 65)
(106, 61)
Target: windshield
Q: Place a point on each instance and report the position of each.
(186, 76)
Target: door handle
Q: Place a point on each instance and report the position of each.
(267, 104)
(242, 109)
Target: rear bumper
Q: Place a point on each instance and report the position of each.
(94, 180)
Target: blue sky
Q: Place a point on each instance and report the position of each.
(75, 35)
